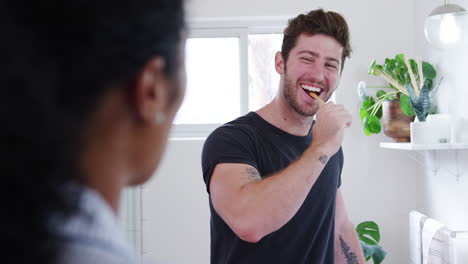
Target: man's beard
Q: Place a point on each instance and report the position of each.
(288, 87)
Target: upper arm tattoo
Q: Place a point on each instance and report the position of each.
(351, 258)
(323, 159)
(252, 174)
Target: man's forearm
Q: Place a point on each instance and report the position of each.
(347, 247)
(280, 196)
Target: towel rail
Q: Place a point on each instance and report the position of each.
(458, 234)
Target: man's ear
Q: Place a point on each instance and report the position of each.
(151, 91)
(279, 63)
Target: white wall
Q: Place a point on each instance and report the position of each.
(380, 185)
(447, 194)
(175, 212)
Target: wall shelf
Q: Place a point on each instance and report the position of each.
(423, 152)
(410, 146)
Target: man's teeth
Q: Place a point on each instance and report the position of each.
(311, 88)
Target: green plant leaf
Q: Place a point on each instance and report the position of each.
(372, 124)
(363, 113)
(366, 132)
(368, 102)
(391, 97)
(389, 67)
(379, 112)
(400, 59)
(428, 70)
(414, 66)
(368, 232)
(412, 94)
(369, 236)
(380, 93)
(401, 77)
(405, 105)
(421, 104)
(372, 67)
(424, 103)
(428, 83)
(406, 78)
(368, 250)
(376, 252)
(379, 254)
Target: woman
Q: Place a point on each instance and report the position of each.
(89, 92)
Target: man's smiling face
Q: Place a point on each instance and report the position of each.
(313, 66)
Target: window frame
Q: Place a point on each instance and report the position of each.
(240, 28)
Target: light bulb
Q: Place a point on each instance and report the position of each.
(449, 30)
(445, 25)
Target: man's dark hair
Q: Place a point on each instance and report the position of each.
(317, 22)
(58, 59)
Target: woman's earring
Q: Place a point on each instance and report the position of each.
(160, 118)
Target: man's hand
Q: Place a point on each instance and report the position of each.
(330, 122)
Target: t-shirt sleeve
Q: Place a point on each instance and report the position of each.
(341, 160)
(227, 144)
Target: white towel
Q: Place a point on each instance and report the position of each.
(416, 222)
(435, 243)
(460, 247)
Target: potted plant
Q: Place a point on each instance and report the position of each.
(369, 237)
(410, 88)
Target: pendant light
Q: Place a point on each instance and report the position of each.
(443, 27)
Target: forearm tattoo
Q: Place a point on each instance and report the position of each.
(323, 159)
(252, 174)
(351, 258)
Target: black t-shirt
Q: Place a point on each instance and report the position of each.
(309, 236)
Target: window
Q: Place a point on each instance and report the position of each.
(213, 81)
(263, 79)
(230, 71)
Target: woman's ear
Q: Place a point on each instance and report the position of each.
(151, 91)
(279, 63)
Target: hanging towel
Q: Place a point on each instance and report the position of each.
(435, 243)
(416, 223)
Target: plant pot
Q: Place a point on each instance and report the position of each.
(396, 124)
(436, 130)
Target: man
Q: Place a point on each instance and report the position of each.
(274, 175)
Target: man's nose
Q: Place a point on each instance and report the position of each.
(317, 74)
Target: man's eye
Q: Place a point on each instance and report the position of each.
(307, 59)
(331, 66)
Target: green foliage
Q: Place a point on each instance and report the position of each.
(372, 124)
(405, 105)
(421, 103)
(368, 232)
(376, 252)
(371, 112)
(380, 93)
(429, 71)
(369, 236)
(395, 71)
